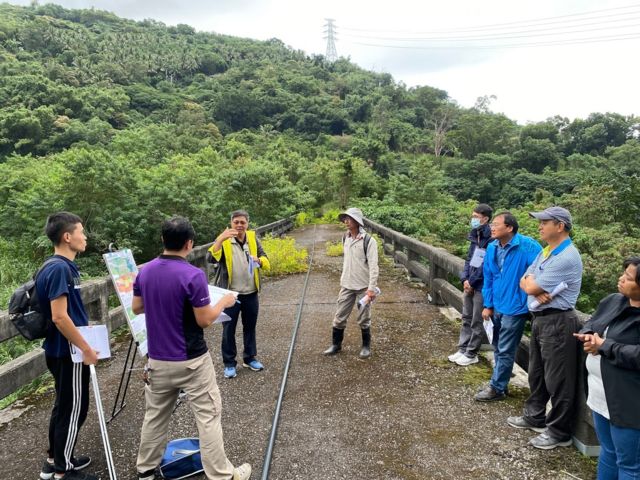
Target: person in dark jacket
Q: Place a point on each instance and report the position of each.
(472, 331)
(612, 339)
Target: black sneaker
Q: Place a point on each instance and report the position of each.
(75, 475)
(489, 394)
(148, 475)
(48, 469)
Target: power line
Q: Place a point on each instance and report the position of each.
(514, 24)
(512, 35)
(530, 33)
(609, 38)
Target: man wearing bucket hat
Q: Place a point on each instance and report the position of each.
(359, 278)
(552, 284)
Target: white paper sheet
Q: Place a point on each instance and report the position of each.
(97, 336)
(488, 328)
(561, 287)
(216, 293)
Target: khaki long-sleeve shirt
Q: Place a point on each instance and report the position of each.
(356, 274)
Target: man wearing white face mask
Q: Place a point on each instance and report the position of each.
(471, 332)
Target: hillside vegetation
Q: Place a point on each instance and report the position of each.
(126, 123)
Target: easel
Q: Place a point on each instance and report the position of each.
(131, 353)
(126, 372)
(124, 295)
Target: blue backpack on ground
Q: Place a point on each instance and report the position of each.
(181, 459)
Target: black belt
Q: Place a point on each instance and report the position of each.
(550, 311)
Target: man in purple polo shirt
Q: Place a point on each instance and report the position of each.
(174, 295)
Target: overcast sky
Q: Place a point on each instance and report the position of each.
(531, 83)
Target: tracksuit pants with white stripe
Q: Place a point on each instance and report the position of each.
(69, 410)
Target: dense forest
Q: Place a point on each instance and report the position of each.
(126, 123)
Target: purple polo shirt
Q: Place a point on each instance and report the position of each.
(170, 287)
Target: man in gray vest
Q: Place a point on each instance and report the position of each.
(359, 281)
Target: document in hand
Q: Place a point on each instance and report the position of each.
(366, 299)
(488, 329)
(216, 293)
(252, 265)
(561, 287)
(97, 336)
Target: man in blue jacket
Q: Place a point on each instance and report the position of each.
(472, 331)
(506, 260)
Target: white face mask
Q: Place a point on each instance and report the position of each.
(475, 222)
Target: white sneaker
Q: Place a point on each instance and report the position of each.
(455, 356)
(464, 360)
(243, 472)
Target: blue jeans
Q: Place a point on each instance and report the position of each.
(619, 450)
(510, 333)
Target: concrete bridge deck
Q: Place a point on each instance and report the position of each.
(406, 413)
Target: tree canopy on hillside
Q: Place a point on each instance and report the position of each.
(126, 123)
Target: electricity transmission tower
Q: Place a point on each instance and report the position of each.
(330, 32)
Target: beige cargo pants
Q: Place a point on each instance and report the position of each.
(198, 380)
(346, 300)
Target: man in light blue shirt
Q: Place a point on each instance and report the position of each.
(506, 260)
(553, 351)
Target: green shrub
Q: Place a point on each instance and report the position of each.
(16, 267)
(382, 258)
(16, 347)
(284, 256)
(334, 249)
(303, 218)
(311, 218)
(330, 216)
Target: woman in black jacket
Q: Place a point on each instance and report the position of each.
(612, 338)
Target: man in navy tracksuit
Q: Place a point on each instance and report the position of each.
(58, 286)
(472, 331)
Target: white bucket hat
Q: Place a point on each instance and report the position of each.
(354, 213)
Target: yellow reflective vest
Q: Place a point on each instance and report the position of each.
(255, 249)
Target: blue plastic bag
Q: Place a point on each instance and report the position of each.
(181, 459)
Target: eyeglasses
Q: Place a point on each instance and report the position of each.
(496, 225)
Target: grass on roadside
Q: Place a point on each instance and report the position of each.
(38, 386)
(334, 249)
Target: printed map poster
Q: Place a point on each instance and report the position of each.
(123, 271)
